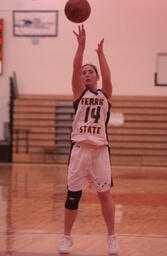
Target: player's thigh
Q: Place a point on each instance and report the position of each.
(101, 171)
(77, 168)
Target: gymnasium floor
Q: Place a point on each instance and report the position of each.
(31, 212)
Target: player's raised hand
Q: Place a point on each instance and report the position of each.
(81, 35)
(100, 47)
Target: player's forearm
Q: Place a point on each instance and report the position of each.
(77, 83)
(104, 68)
(78, 59)
(106, 75)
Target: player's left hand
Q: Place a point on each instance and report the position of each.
(100, 47)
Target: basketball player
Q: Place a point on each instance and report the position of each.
(89, 160)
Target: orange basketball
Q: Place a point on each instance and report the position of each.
(77, 10)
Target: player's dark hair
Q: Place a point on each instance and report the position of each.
(93, 66)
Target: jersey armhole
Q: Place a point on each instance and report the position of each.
(76, 102)
(109, 100)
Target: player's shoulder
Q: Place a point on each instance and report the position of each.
(104, 95)
(77, 100)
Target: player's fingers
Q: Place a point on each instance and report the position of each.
(75, 33)
(101, 43)
(83, 30)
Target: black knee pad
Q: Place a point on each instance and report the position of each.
(73, 198)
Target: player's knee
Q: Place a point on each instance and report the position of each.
(104, 196)
(73, 198)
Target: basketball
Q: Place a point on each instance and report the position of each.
(77, 11)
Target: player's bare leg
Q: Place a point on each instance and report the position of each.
(108, 211)
(66, 241)
(69, 218)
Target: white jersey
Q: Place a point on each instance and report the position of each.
(92, 112)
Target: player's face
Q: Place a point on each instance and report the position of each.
(89, 77)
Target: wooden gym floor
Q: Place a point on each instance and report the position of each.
(31, 212)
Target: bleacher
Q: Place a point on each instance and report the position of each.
(42, 127)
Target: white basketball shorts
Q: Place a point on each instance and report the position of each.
(89, 165)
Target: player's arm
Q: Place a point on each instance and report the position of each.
(105, 71)
(77, 82)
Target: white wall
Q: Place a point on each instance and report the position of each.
(134, 31)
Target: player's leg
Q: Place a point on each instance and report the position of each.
(108, 210)
(103, 182)
(76, 182)
(71, 210)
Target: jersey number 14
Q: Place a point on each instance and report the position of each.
(94, 113)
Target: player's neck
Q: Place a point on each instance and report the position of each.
(92, 88)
